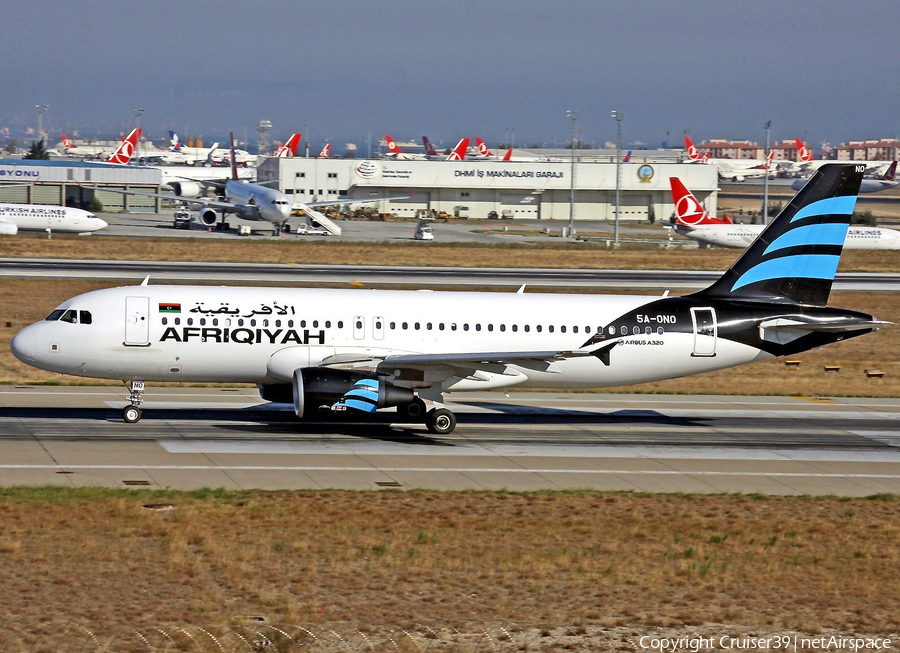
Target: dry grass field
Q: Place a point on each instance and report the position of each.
(873, 351)
(102, 559)
(562, 255)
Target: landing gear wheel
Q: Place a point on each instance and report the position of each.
(131, 414)
(414, 410)
(440, 421)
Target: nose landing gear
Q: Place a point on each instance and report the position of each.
(132, 413)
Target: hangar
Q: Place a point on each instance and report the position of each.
(520, 189)
(57, 182)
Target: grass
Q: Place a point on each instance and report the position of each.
(767, 378)
(99, 558)
(549, 255)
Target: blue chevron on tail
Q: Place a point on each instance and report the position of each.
(796, 257)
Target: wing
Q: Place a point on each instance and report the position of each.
(216, 204)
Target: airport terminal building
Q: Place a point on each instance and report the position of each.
(61, 182)
(518, 189)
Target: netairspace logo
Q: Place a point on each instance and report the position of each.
(791, 643)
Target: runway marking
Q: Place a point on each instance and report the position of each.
(462, 470)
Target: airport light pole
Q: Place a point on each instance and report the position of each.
(617, 116)
(765, 219)
(574, 116)
(137, 125)
(369, 141)
(40, 111)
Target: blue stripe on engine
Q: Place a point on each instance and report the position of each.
(806, 266)
(811, 234)
(832, 206)
(369, 383)
(363, 406)
(363, 393)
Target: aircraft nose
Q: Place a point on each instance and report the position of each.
(100, 224)
(23, 345)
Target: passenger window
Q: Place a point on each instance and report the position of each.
(515, 327)
(659, 330)
(290, 324)
(54, 315)
(278, 323)
(302, 324)
(466, 326)
(453, 326)
(478, 327)
(539, 328)
(405, 326)
(417, 326)
(503, 327)
(574, 329)
(215, 321)
(612, 330)
(165, 321)
(648, 330)
(393, 325)
(428, 326)
(315, 324)
(240, 322)
(252, 323)
(550, 328)
(562, 329)
(490, 327)
(178, 321)
(624, 330)
(636, 330)
(527, 328)
(340, 324)
(190, 321)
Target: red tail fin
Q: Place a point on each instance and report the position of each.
(692, 152)
(891, 173)
(67, 144)
(429, 148)
(289, 148)
(688, 210)
(483, 149)
(392, 146)
(508, 155)
(459, 152)
(804, 154)
(324, 154)
(126, 148)
(234, 172)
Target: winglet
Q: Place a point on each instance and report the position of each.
(146, 280)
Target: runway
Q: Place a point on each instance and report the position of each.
(203, 437)
(243, 273)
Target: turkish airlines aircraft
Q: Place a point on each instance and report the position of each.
(326, 152)
(41, 217)
(351, 352)
(733, 169)
(123, 153)
(288, 149)
(394, 151)
(885, 181)
(693, 221)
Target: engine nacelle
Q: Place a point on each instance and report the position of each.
(340, 391)
(186, 188)
(208, 217)
(8, 229)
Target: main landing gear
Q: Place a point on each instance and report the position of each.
(439, 421)
(132, 413)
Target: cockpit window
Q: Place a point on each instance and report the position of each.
(70, 316)
(85, 317)
(55, 315)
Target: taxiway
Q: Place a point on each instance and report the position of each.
(226, 437)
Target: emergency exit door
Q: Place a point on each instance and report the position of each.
(705, 331)
(137, 321)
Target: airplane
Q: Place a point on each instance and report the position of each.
(807, 162)
(45, 217)
(693, 221)
(178, 154)
(250, 201)
(394, 151)
(885, 181)
(81, 150)
(288, 149)
(485, 154)
(430, 152)
(732, 169)
(349, 352)
(326, 152)
(459, 152)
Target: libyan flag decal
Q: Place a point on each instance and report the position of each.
(170, 308)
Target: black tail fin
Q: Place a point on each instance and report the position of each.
(796, 257)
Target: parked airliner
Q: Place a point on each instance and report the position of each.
(353, 351)
(692, 220)
(42, 217)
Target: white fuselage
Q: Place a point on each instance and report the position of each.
(39, 217)
(261, 335)
(741, 235)
(255, 202)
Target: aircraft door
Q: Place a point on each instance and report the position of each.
(705, 331)
(359, 327)
(137, 321)
(378, 328)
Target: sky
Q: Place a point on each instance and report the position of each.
(338, 70)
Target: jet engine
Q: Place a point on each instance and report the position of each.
(208, 217)
(337, 391)
(186, 188)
